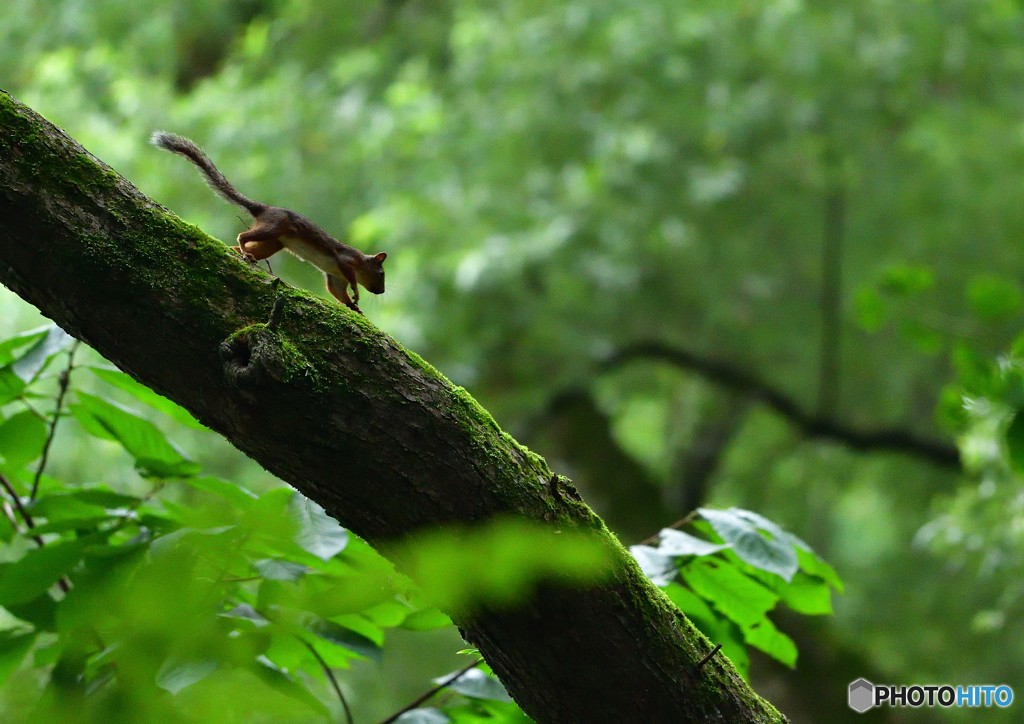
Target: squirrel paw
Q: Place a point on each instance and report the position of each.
(354, 307)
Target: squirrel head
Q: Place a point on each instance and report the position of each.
(371, 275)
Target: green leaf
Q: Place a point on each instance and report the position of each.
(22, 438)
(477, 685)
(143, 394)
(6, 529)
(154, 455)
(690, 603)
(65, 506)
(275, 569)
(739, 597)
(426, 715)
(993, 297)
(175, 675)
(657, 566)
(764, 636)
(905, 280)
(806, 594)
(277, 679)
(677, 543)
(426, 619)
(11, 344)
(872, 310)
(104, 497)
(30, 364)
(10, 385)
(318, 533)
(39, 569)
(343, 636)
(813, 565)
(66, 524)
(388, 614)
(248, 613)
(13, 647)
(229, 491)
(744, 531)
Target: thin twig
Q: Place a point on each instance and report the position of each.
(447, 682)
(700, 664)
(65, 379)
(64, 583)
(330, 676)
(678, 524)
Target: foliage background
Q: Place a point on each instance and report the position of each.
(554, 181)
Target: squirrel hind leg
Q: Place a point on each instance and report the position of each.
(258, 250)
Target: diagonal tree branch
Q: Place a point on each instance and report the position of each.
(330, 404)
(725, 374)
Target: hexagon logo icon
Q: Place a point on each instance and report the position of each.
(862, 695)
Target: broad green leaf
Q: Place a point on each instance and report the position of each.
(806, 594)
(229, 491)
(427, 715)
(39, 569)
(22, 437)
(657, 566)
(276, 569)
(813, 565)
(175, 675)
(65, 506)
(690, 603)
(10, 385)
(477, 685)
(10, 345)
(318, 533)
(143, 394)
(677, 543)
(248, 613)
(6, 529)
(426, 619)
(66, 524)
(739, 597)
(154, 455)
(105, 497)
(872, 309)
(90, 423)
(905, 280)
(993, 297)
(744, 532)
(13, 647)
(388, 614)
(277, 679)
(764, 636)
(343, 636)
(30, 364)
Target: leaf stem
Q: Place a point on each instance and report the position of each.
(447, 682)
(331, 678)
(65, 379)
(678, 524)
(64, 584)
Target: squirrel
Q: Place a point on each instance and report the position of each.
(275, 228)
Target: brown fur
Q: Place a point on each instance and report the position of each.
(275, 228)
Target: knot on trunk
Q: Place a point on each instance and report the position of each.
(253, 357)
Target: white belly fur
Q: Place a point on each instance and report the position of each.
(316, 256)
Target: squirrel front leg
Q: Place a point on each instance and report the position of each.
(339, 290)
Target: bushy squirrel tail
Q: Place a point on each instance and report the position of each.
(184, 147)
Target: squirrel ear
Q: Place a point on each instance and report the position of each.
(382, 256)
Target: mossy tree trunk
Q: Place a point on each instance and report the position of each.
(324, 400)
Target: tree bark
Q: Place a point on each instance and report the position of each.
(321, 398)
